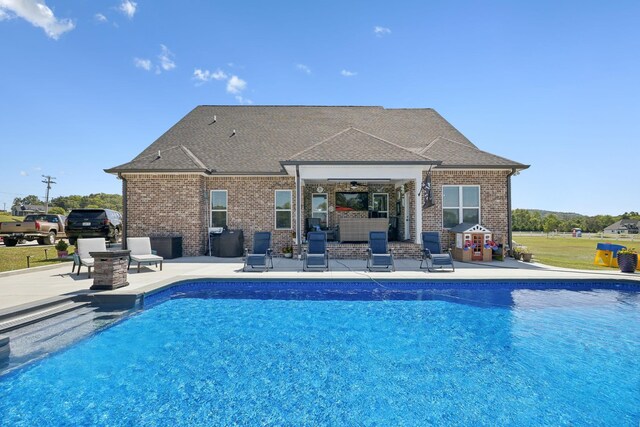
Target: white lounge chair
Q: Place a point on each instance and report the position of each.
(83, 248)
(141, 252)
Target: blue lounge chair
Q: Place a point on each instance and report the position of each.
(316, 255)
(432, 255)
(261, 257)
(379, 257)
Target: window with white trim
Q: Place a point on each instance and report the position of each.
(283, 209)
(218, 208)
(319, 208)
(460, 203)
(381, 204)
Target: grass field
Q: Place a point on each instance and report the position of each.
(570, 252)
(6, 217)
(15, 258)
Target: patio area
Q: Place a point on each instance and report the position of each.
(23, 288)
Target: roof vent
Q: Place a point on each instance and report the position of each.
(232, 133)
(159, 155)
(214, 120)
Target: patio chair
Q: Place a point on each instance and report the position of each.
(316, 255)
(261, 256)
(83, 248)
(379, 257)
(432, 253)
(142, 253)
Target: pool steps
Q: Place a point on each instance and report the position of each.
(31, 313)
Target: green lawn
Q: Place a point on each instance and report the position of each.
(15, 258)
(570, 252)
(6, 217)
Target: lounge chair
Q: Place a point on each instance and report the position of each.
(261, 256)
(432, 253)
(83, 248)
(142, 253)
(379, 257)
(316, 255)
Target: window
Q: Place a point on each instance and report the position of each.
(319, 205)
(381, 204)
(218, 208)
(460, 203)
(283, 209)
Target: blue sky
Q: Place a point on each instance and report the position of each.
(88, 85)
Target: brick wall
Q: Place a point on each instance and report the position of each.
(167, 205)
(493, 201)
(251, 206)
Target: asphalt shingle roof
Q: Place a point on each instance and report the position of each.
(256, 139)
(354, 145)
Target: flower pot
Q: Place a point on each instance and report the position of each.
(627, 262)
(63, 254)
(517, 255)
(288, 255)
(527, 257)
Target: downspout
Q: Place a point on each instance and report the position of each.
(509, 233)
(298, 217)
(125, 232)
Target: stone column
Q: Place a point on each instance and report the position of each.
(110, 269)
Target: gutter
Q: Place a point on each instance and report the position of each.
(125, 232)
(509, 232)
(298, 213)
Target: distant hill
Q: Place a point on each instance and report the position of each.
(562, 216)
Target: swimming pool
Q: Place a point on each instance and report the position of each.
(360, 353)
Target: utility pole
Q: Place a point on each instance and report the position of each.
(48, 179)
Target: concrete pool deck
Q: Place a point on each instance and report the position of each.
(29, 287)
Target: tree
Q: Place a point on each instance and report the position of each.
(56, 210)
(29, 200)
(550, 223)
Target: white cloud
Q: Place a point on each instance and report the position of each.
(38, 14)
(100, 17)
(145, 64)
(381, 31)
(206, 75)
(243, 101)
(236, 85)
(128, 8)
(166, 61)
(303, 68)
(348, 73)
(23, 173)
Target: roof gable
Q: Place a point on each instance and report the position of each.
(353, 146)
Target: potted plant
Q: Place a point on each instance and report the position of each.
(61, 247)
(517, 252)
(627, 260)
(287, 251)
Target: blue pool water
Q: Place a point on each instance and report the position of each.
(348, 354)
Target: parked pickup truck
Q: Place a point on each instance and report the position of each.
(43, 228)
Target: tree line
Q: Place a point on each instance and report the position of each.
(63, 204)
(532, 220)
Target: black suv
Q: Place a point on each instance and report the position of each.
(94, 223)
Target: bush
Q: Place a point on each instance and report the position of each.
(61, 245)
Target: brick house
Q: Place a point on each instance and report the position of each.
(272, 168)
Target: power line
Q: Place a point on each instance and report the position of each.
(48, 180)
